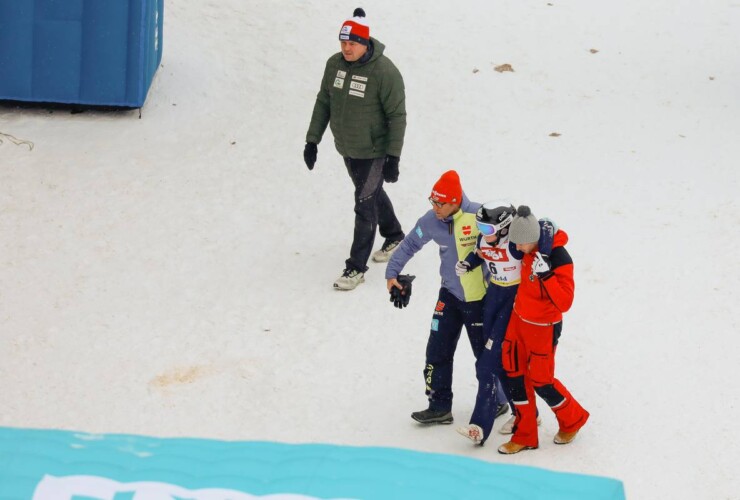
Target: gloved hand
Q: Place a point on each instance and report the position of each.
(462, 267)
(541, 265)
(310, 152)
(400, 298)
(390, 168)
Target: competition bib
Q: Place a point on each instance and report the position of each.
(503, 268)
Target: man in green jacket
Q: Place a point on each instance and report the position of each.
(362, 97)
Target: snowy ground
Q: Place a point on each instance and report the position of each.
(171, 275)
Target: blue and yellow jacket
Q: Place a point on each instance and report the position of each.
(456, 237)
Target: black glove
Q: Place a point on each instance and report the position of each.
(309, 154)
(390, 168)
(401, 297)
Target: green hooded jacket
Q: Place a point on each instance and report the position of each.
(365, 103)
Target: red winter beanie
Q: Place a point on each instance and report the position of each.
(447, 189)
(356, 29)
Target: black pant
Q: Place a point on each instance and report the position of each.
(373, 209)
(450, 314)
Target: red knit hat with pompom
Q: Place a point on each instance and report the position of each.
(356, 29)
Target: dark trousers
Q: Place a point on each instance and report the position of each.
(493, 388)
(450, 314)
(373, 209)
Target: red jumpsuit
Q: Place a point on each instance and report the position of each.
(530, 343)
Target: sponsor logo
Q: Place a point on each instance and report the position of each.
(356, 93)
(341, 74)
(156, 33)
(88, 486)
(510, 268)
(339, 82)
(359, 78)
(440, 306)
(435, 325)
(489, 344)
(437, 313)
(504, 281)
(494, 254)
(418, 232)
(346, 30)
(466, 230)
(357, 86)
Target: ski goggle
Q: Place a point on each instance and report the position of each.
(490, 229)
(486, 229)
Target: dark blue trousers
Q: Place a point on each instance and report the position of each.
(493, 388)
(450, 315)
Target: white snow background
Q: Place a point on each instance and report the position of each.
(171, 275)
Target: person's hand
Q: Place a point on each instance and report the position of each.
(310, 152)
(392, 283)
(390, 168)
(541, 265)
(400, 295)
(462, 267)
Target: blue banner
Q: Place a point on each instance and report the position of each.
(61, 465)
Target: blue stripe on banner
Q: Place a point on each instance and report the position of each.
(56, 465)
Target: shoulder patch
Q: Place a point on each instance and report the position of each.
(418, 231)
(560, 257)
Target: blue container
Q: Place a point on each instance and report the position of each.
(93, 52)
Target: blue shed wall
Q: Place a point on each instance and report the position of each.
(98, 52)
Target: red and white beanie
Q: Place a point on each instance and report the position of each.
(356, 29)
(447, 189)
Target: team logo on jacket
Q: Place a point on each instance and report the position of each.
(357, 89)
(440, 306)
(466, 230)
(339, 80)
